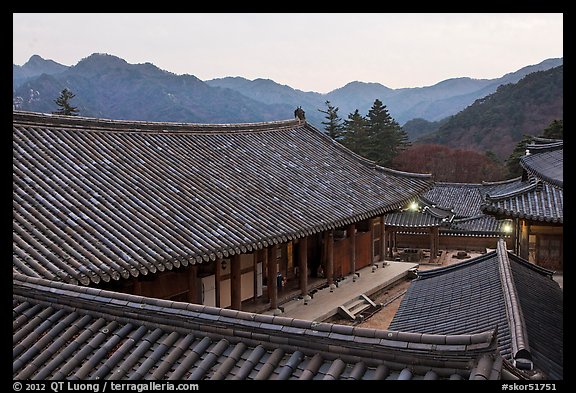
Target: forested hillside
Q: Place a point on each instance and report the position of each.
(498, 121)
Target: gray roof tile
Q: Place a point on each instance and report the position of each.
(495, 290)
(84, 340)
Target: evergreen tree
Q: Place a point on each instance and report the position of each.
(513, 162)
(64, 104)
(354, 136)
(333, 124)
(385, 136)
(555, 130)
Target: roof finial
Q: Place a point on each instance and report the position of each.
(299, 113)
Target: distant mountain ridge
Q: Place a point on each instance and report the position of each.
(107, 86)
(499, 120)
(262, 99)
(431, 103)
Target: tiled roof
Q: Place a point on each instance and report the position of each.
(495, 289)
(426, 216)
(481, 225)
(546, 165)
(464, 198)
(66, 331)
(538, 201)
(97, 200)
(455, 208)
(540, 196)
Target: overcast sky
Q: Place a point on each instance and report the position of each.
(311, 52)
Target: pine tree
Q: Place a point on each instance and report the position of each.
(333, 124)
(555, 130)
(64, 104)
(385, 137)
(513, 162)
(354, 136)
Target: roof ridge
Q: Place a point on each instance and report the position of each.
(493, 183)
(267, 329)
(528, 187)
(458, 265)
(457, 184)
(142, 126)
(520, 348)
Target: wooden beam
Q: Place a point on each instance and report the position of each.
(136, 286)
(303, 265)
(236, 283)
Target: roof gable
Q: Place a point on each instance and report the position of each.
(497, 289)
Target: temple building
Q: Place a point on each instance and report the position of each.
(535, 205)
(214, 214)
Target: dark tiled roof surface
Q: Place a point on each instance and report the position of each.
(65, 331)
(540, 197)
(499, 290)
(427, 216)
(547, 166)
(542, 305)
(464, 198)
(96, 200)
(461, 206)
(482, 225)
(538, 201)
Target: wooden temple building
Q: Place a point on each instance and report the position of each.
(448, 216)
(535, 204)
(215, 214)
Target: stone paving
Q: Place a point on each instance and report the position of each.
(325, 304)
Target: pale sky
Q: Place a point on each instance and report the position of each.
(307, 51)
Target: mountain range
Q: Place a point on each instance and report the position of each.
(107, 86)
(498, 121)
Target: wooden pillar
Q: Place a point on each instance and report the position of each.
(352, 236)
(303, 266)
(257, 258)
(372, 242)
(236, 283)
(524, 228)
(217, 275)
(193, 284)
(329, 236)
(433, 243)
(382, 239)
(272, 273)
